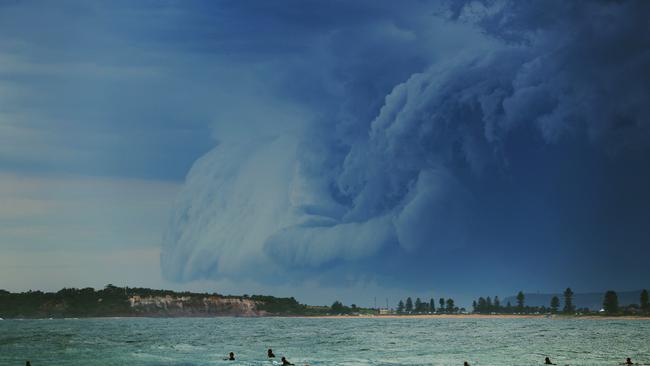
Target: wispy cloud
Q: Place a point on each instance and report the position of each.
(72, 213)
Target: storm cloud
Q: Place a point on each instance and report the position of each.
(414, 133)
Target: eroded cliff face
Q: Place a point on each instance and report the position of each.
(194, 306)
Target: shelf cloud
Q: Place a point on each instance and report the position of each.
(442, 120)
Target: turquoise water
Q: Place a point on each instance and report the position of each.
(206, 341)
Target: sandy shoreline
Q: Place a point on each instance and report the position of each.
(437, 316)
(478, 316)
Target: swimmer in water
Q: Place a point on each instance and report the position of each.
(27, 363)
(465, 363)
(286, 362)
(270, 354)
(628, 361)
(547, 361)
(231, 357)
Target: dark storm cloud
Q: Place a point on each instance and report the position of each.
(423, 133)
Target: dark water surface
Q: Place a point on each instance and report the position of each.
(206, 341)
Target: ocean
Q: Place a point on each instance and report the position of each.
(206, 341)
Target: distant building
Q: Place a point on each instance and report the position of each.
(385, 312)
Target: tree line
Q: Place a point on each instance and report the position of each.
(490, 305)
(113, 301)
(612, 307)
(445, 306)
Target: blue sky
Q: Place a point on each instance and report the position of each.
(325, 150)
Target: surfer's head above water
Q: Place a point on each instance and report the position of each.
(270, 353)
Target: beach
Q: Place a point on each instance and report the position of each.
(485, 316)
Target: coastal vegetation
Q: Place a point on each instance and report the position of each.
(610, 306)
(446, 306)
(128, 301)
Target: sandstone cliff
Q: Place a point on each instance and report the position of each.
(194, 306)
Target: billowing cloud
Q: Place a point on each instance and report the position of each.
(410, 175)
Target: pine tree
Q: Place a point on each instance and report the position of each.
(432, 305)
(482, 305)
(337, 307)
(442, 305)
(520, 301)
(450, 305)
(568, 301)
(555, 304)
(409, 305)
(418, 305)
(610, 303)
(474, 306)
(400, 307)
(645, 305)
